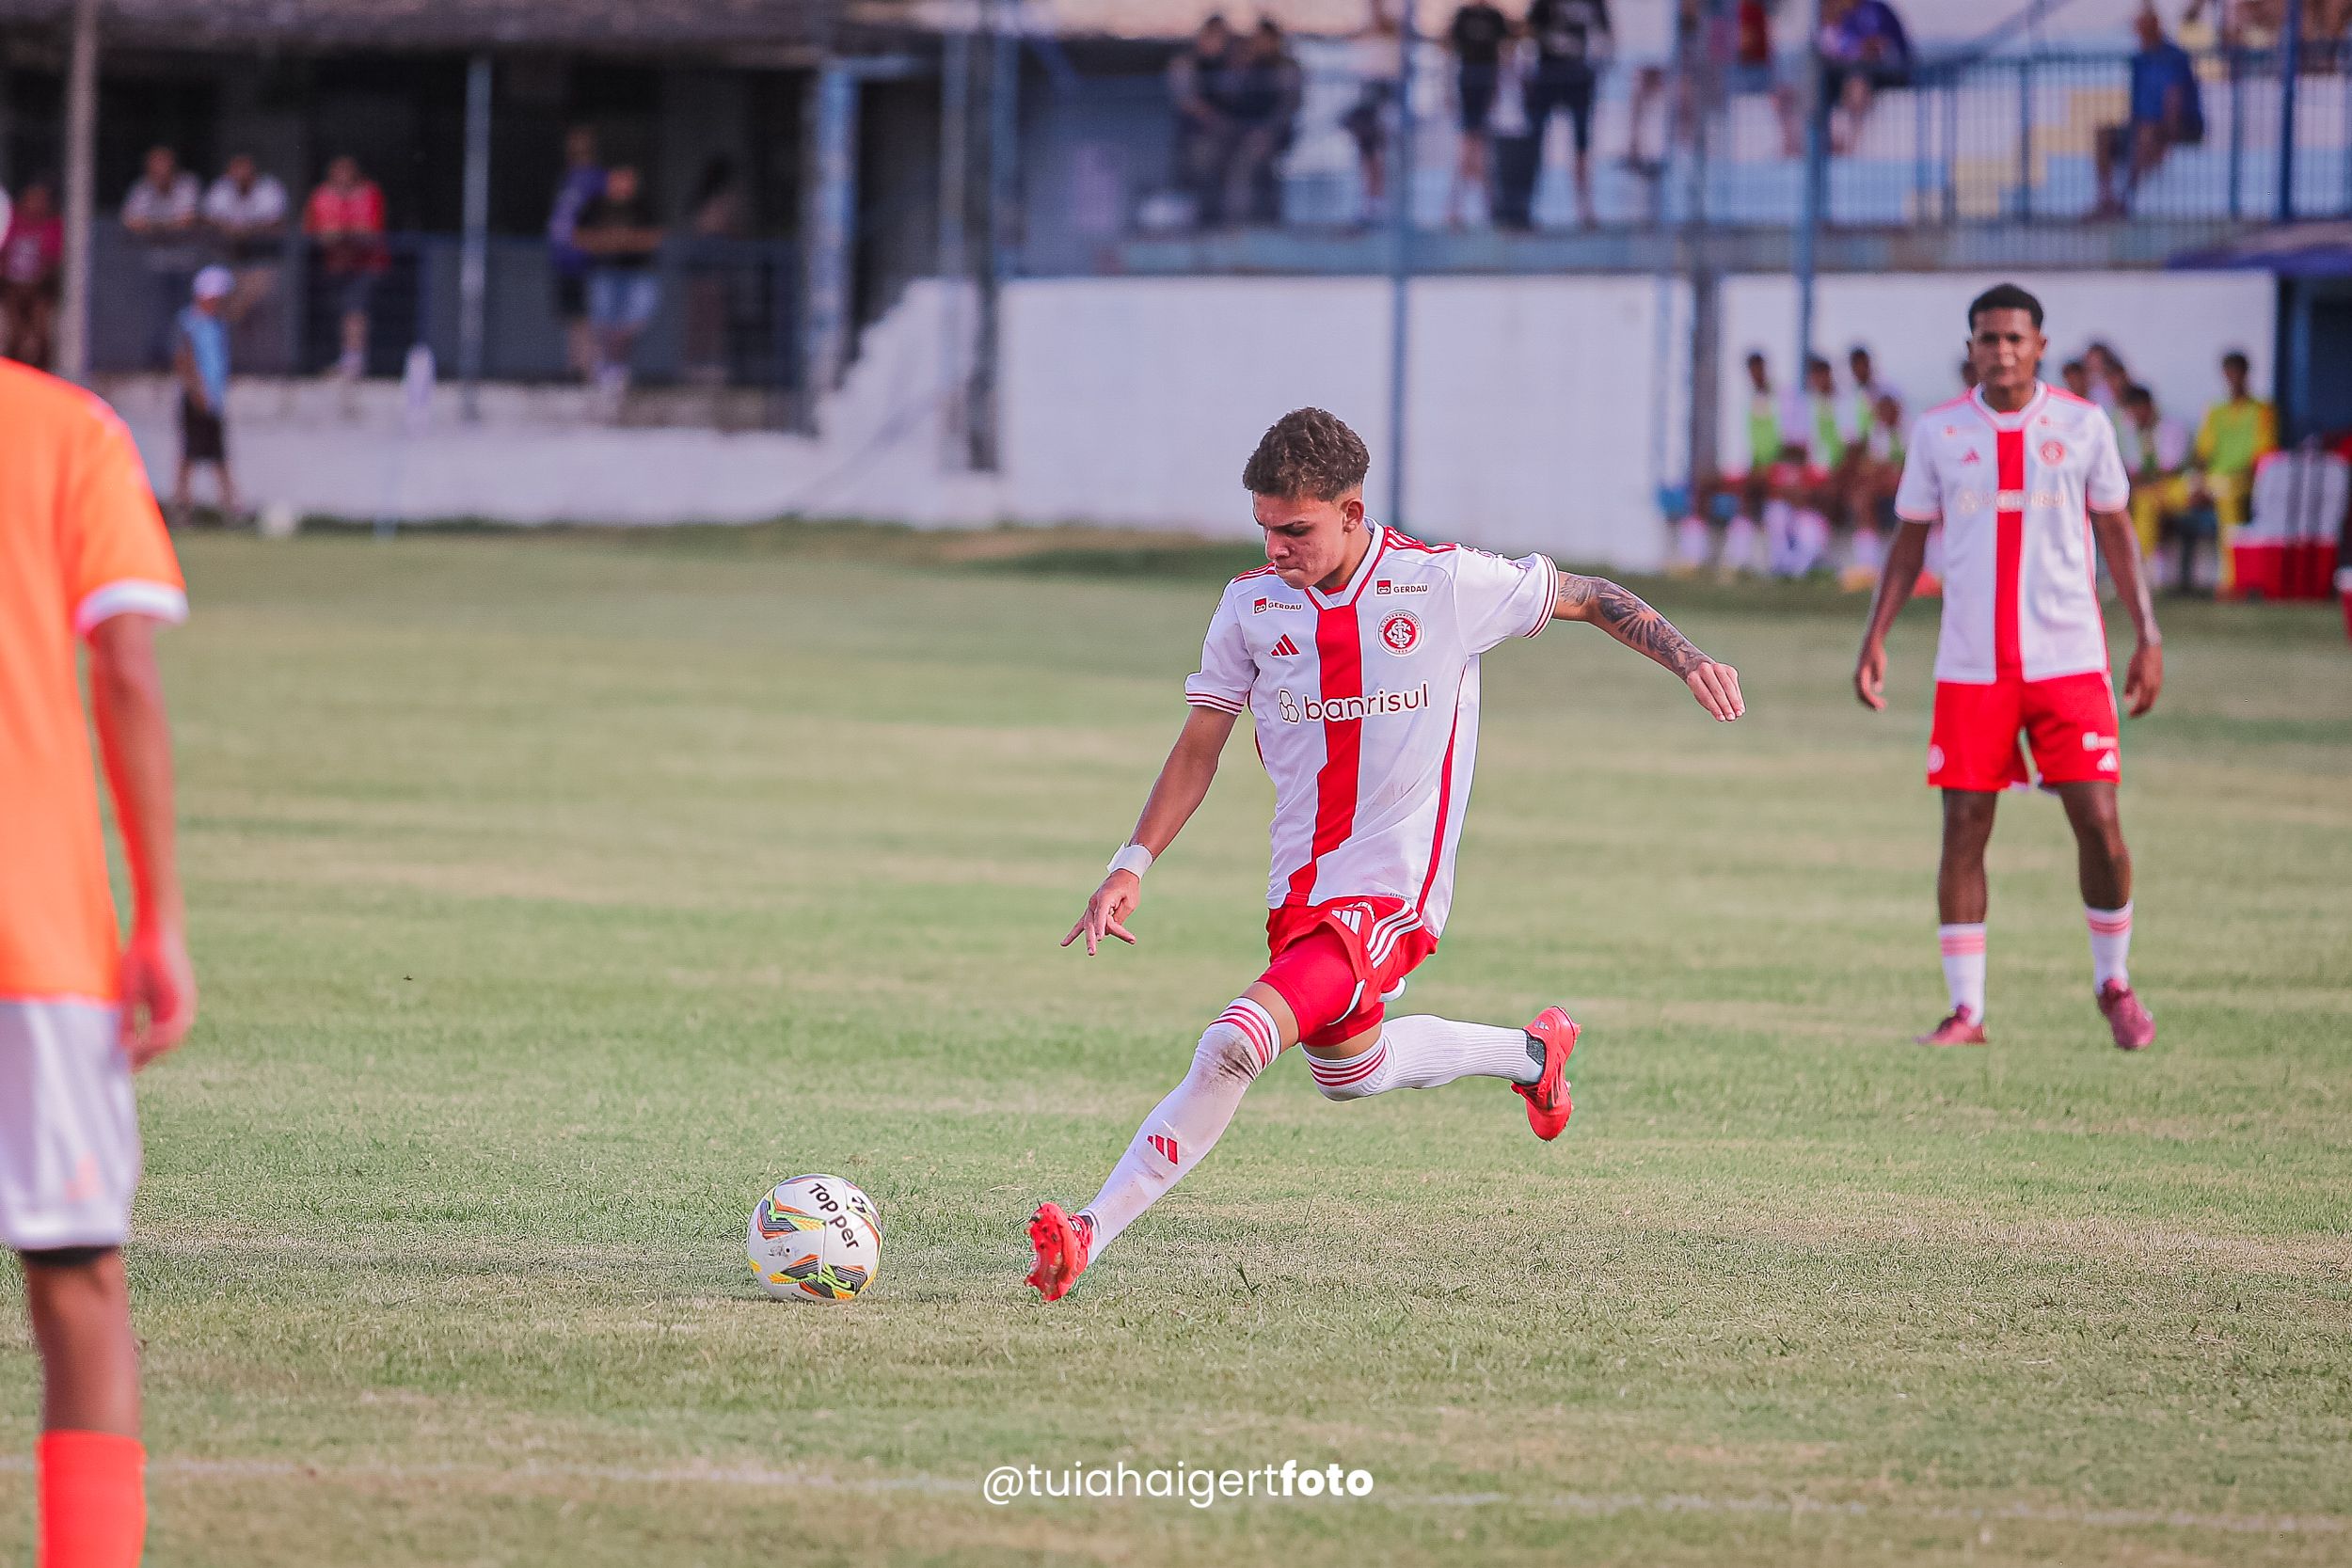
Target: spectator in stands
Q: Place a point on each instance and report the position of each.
(1877, 461)
(1366, 120)
(1266, 91)
(713, 218)
(2167, 111)
(2156, 453)
(618, 231)
(1808, 483)
(344, 219)
(1477, 37)
(1864, 51)
(581, 182)
(1860, 407)
(161, 213)
(200, 358)
(1573, 43)
(1199, 83)
(2237, 434)
(2110, 380)
(32, 251)
(2075, 377)
(1664, 92)
(245, 211)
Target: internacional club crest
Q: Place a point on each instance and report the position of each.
(2054, 451)
(1400, 633)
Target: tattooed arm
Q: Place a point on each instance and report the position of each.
(1625, 617)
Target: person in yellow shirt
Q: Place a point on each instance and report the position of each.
(2237, 433)
(2155, 455)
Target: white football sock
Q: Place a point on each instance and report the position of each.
(2111, 944)
(1740, 544)
(1868, 551)
(1780, 523)
(1421, 1052)
(1690, 542)
(1963, 965)
(1183, 1127)
(1808, 540)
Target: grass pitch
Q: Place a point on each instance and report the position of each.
(553, 895)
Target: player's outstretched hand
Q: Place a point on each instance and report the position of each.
(158, 993)
(1717, 688)
(1869, 676)
(1112, 903)
(2144, 678)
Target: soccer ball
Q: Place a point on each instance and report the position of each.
(816, 1238)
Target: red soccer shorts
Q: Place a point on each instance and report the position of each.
(2068, 720)
(1332, 962)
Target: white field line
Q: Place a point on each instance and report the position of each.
(761, 1478)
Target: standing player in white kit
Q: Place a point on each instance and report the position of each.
(2024, 479)
(1356, 651)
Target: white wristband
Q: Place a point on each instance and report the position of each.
(1132, 857)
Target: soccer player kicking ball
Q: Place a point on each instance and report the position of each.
(2023, 477)
(83, 557)
(1356, 651)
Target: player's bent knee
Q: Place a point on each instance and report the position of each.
(1241, 1044)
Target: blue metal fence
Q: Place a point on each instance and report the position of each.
(724, 314)
(2007, 143)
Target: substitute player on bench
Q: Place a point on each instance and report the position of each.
(2024, 478)
(1356, 652)
(83, 557)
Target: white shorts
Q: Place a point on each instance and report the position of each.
(68, 1127)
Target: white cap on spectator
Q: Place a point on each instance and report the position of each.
(214, 282)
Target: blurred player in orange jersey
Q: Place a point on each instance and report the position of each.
(82, 556)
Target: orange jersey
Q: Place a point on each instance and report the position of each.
(80, 541)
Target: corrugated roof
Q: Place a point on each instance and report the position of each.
(682, 25)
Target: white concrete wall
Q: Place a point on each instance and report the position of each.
(1541, 409)
(1534, 401)
(2170, 327)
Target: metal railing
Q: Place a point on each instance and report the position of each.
(1960, 145)
(723, 310)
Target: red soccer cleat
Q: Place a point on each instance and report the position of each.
(1547, 1103)
(2134, 1029)
(1963, 1028)
(1062, 1241)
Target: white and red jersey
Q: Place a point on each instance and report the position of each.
(2015, 493)
(1366, 704)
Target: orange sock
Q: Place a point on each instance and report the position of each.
(93, 1499)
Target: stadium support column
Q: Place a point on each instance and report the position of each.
(81, 159)
(1816, 175)
(1400, 263)
(2290, 66)
(1702, 460)
(955, 262)
(983, 409)
(473, 270)
(832, 231)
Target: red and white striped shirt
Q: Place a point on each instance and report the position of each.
(1366, 706)
(2015, 493)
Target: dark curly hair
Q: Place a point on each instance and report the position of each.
(2004, 297)
(1307, 452)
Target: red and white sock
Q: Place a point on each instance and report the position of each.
(1183, 1128)
(1963, 965)
(1421, 1052)
(2110, 945)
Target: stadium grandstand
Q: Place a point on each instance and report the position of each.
(875, 233)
